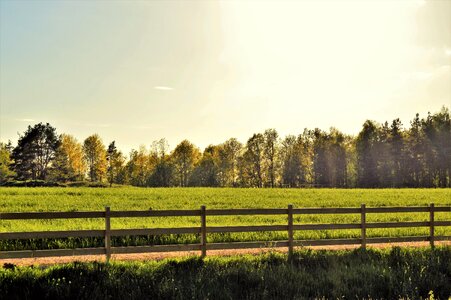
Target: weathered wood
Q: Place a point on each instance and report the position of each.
(156, 248)
(363, 224)
(155, 213)
(326, 210)
(326, 226)
(407, 209)
(404, 209)
(49, 253)
(290, 231)
(203, 231)
(431, 225)
(246, 211)
(442, 223)
(51, 234)
(327, 242)
(442, 208)
(154, 231)
(216, 212)
(107, 234)
(246, 245)
(51, 215)
(397, 224)
(257, 228)
(402, 239)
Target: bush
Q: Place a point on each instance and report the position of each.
(33, 183)
(87, 184)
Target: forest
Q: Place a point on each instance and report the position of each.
(381, 155)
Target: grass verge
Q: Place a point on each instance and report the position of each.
(390, 274)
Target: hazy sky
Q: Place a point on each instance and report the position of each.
(136, 71)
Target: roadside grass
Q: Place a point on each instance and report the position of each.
(362, 274)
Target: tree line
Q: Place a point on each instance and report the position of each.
(381, 155)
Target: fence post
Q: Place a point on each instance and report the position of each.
(290, 231)
(203, 230)
(431, 225)
(363, 224)
(107, 233)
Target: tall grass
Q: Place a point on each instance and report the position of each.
(377, 274)
(129, 198)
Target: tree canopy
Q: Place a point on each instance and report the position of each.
(388, 154)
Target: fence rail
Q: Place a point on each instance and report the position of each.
(203, 229)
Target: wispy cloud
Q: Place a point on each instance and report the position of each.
(97, 125)
(163, 88)
(25, 120)
(140, 127)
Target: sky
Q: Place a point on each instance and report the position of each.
(206, 71)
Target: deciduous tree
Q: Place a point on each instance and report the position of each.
(95, 157)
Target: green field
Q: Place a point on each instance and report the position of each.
(129, 198)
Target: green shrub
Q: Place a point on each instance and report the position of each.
(32, 183)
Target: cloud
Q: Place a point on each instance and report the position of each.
(140, 127)
(97, 125)
(163, 88)
(25, 120)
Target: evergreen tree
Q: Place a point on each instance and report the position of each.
(366, 155)
(115, 161)
(35, 152)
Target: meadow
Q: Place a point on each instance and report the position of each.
(130, 198)
(358, 274)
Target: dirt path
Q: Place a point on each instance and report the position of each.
(43, 261)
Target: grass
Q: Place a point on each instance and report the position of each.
(362, 274)
(130, 198)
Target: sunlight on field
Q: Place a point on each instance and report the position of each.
(128, 198)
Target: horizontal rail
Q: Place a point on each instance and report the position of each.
(397, 224)
(212, 212)
(247, 245)
(154, 231)
(325, 210)
(154, 213)
(326, 226)
(51, 215)
(51, 234)
(223, 229)
(327, 242)
(52, 252)
(246, 211)
(156, 248)
(211, 229)
(407, 209)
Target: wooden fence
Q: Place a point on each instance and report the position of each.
(203, 229)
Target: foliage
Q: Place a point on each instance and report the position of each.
(95, 157)
(381, 155)
(69, 164)
(184, 157)
(5, 162)
(35, 152)
(116, 161)
(377, 274)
